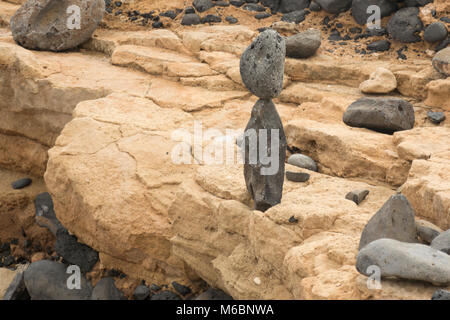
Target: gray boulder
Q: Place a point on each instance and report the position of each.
(203, 5)
(303, 45)
(214, 294)
(106, 290)
(302, 161)
(426, 234)
(264, 180)
(47, 280)
(141, 292)
(359, 9)
(262, 65)
(394, 220)
(441, 61)
(442, 242)
(405, 25)
(386, 115)
(50, 25)
(435, 32)
(441, 295)
(401, 260)
(190, 19)
(335, 6)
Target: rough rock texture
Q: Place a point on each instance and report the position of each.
(16, 289)
(335, 6)
(437, 31)
(43, 24)
(293, 5)
(357, 196)
(47, 280)
(394, 220)
(405, 261)
(405, 25)
(106, 289)
(441, 295)
(262, 65)
(302, 161)
(386, 115)
(442, 242)
(381, 81)
(6, 278)
(264, 177)
(303, 45)
(426, 234)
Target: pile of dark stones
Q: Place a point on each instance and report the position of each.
(401, 248)
(262, 71)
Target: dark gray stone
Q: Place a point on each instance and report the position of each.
(45, 214)
(335, 6)
(442, 242)
(21, 183)
(43, 24)
(17, 290)
(155, 287)
(273, 5)
(141, 292)
(214, 294)
(441, 62)
(211, 18)
(189, 10)
(231, 20)
(106, 290)
(436, 117)
(297, 176)
(47, 280)
(359, 9)
(254, 7)
(287, 6)
(380, 46)
(262, 15)
(181, 289)
(303, 45)
(394, 220)
(441, 295)
(412, 261)
(190, 19)
(426, 234)
(237, 3)
(262, 65)
(386, 115)
(76, 253)
(202, 5)
(357, 196)
(417, 3)
(294, 16)
(165, 295)
(302, 161)
(405, 25)
(315, 7)
(435, 32)
(264, 181)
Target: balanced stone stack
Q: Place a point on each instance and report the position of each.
(56, 25)
(262, 70)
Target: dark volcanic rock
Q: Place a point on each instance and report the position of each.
(214, 294)
(380, 46)
(405, 25)
(203, 5)
(273, 5)
(262, 15)
(359, 9)
(264, 179)
(303, 45)
(165, 295)
(231, 20)
(314, 6)
(42, 24)
(211, 18)
(357, 196)
(74, 252)
(386, 115)
(47, 280)
(141, 292)
(21, 183)
(436, 117)
(435, 32)
(293, 5)
(254, 7)
(394, 220)
(441, 62)
(181, 289)
(294, 16)
(106, 290)
(262, 65)
(190, 19)
(237, 3)
(297, 176)
(426, 234)
(335, 6)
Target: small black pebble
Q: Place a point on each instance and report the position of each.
(293, 220)
(21, 183)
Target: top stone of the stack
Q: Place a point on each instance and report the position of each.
(262, 65)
